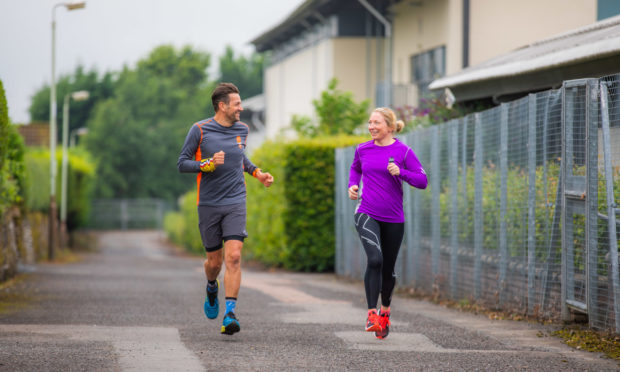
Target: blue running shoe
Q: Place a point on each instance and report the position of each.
(230, 324)
(212, 305)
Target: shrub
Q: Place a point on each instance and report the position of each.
(11, 159)
(291, 224)
(182, 226)
(80, 182)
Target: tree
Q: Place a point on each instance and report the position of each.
(245, 72)
(136, 134)
(337, 111)
(99, 88)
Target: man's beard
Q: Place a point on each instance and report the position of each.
(233, 118)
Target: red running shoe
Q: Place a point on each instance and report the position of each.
(384, 322)
(372, 322)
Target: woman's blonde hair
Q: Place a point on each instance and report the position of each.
(390, 119)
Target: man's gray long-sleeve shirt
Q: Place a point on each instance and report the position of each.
(226, 184)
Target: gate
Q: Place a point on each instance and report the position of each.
(580, 196)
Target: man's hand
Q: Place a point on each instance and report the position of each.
(353, 192)
(265, 178)
(218, 158)
(209, 165)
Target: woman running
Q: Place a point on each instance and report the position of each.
(382, 164)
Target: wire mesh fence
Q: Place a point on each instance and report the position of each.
(517, 215)
(124, 214)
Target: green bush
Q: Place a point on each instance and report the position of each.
(337, 111)
(80, 182)
(266, 207)
(291, 224)
(11, 160)
(182, 226)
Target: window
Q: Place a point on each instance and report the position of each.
(426, 67)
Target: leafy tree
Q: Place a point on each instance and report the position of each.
(136, 134)
(99, 88)
(337, 111)
(245, 72)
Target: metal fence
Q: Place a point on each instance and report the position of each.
(124, 214)
(520, 212)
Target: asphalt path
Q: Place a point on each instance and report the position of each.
(136, 305)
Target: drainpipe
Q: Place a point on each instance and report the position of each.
(465, 33)
(388, 49)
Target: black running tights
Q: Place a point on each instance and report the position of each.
(381, 241)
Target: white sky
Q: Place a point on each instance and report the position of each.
(108, 34)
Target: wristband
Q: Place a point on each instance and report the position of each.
(207, 165)
(255, 173)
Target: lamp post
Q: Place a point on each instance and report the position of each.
(53, 139)
(75, 133)
(77, 96)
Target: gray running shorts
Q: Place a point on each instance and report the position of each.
(223, 222)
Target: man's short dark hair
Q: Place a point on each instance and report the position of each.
(221, 94)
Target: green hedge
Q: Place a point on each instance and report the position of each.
(182, 226)
(291, 224)
(80, 183)
(12, 176)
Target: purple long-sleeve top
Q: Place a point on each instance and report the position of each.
(381, 193)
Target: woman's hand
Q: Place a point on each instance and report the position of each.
(393, 169)
(353, 192)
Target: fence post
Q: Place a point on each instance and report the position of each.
(611, 204)
(416, 223)
(478, 223)
(592, 110)
(435, 190)
(567, 271)
(531, 210)
(454, 219)
(503, 201)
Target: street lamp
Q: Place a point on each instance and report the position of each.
(77, 96)
(53, 139)
(75, 133)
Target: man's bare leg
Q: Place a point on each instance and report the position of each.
(213, 264)
(232, 275)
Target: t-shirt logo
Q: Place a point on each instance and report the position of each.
(239, 142)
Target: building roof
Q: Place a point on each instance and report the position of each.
(590, 51)
(309, 12)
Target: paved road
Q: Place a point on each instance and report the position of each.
(135, 306)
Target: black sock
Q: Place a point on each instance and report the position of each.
(211, 284)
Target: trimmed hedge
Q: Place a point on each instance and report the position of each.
(11, 160)
(182, 226)
(80, 183)
(291, 224)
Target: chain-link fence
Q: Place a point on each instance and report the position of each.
(110, 214)
(517, 215)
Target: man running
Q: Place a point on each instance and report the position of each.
(218, 146)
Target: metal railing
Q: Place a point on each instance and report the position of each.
(520, 210)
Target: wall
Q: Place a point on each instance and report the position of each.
(497, 27)
(292, 84)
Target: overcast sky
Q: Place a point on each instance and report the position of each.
(108, 34)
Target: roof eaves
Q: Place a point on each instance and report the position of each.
(599, 49)
(267, 38)
(511, 65)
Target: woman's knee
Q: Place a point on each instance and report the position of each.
(375, 261)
